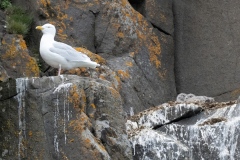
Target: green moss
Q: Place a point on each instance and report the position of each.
(5, 4)
(18, 21)
(16, 27)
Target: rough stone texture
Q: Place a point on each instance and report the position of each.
(139, 54)
(14, 58)
(166, 132)
(158, 12)
(136, 51)
(207, 48)
(64, 117)
(2, 24)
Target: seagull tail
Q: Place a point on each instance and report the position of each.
(93, 65)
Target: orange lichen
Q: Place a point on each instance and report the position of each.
(129, 64)
(22, 43)
(80, 124)
(30, 133)
(118, 86)
(17, 56)
(93, 105)
(32, 67)
(74, 97)
(124, 2)
(116, 25)
(155, 51)
(114, 92)
(60, 31)
(120, 35)
(79, 71)
(131, 54)
(76, 125)
(91, 115)
(87, 140)
(45, 3)
(101, 76)
(67, 2)
(78, 98)
(83, 100)
(123, 74)
(93, 56)
(141, 36)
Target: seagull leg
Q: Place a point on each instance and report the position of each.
(59, 69)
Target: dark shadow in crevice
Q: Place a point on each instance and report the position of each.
(137, 5)
(184, 116)
(161, 30)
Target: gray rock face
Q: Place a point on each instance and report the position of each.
(207, 48)
(158, 12)
(131, 44)
(65, 117)
(141, 55)
(186, 131)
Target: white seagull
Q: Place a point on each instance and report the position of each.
(60, 55)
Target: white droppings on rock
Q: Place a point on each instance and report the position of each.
(191, 98)
(215, 132)
(62, 86)
(66, 113)
(131, 111)
(21, 87)
(157, 143)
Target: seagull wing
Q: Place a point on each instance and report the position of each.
(68, 52)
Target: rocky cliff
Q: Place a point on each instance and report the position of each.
(149, 51)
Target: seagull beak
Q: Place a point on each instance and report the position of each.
(39, 27)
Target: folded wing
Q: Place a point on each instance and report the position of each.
(68, 52)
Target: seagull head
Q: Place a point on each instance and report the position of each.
(47, 29)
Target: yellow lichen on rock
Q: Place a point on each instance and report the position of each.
(45, 3)
(93, 105)
(123, 74)
(74, 97)
(155, 51)
(93, 56)
(80, 124)
(58, 16)
(78, 99)
(83, 100)
(114, 93)
(16, 57)
(129, 64)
